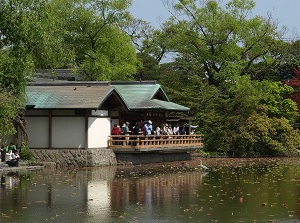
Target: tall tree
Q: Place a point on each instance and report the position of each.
(103, 51)
(219, 40)
(9, 107)
(294, 82)
(231, 58)
(18, 19)
(81, 34)
(150, 47)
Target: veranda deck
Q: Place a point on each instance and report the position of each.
(163, 143)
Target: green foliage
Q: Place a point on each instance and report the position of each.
(14, 71)
(27, 31)
(221, 40)
(251, 95)
(9, 106)
(87, 38)
(26, 154)
(113, 58)
(275, 98)
(149, 69)
(92, 30)
(227, 123)
(226, 70)
(266, 136)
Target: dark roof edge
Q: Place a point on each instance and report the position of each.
(133, 82)
(92, 83)
(68, 83)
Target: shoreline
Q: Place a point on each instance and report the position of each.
(23, 165)
(195, 162)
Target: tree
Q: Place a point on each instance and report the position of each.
(88, 38)
(219, 40)
(232, 60)
(9, 106)
(103, 51)
(266, 136)
(225, 123)
(31, 32)
(16, 60)
(294, 82)
(150, 47)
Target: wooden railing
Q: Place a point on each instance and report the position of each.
(147, 143)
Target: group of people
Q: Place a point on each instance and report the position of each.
(10, 155)
(138, 129)
(124, 130)
(146, 128)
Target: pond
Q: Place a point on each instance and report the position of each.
(232, 190)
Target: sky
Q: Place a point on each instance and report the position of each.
(285, 12)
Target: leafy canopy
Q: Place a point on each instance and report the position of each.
(222, 40)
(83, 35)
(227, 63)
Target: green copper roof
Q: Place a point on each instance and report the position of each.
(65, 97)
(93, 95)
(147, 96)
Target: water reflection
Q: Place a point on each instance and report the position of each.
(10, 180)
(99, 193)
(163, 193)
(153, 199)
(64, 195)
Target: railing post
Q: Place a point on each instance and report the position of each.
(138, 143)
(109, 141)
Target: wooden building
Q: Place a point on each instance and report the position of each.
(80, 115)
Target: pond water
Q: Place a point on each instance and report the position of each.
(233, 190)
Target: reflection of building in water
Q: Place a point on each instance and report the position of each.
(98, 199)
(59, 194)
(99, 195)
(12, 180)
(160, 189)
(9, 190)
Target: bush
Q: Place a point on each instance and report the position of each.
(264, 136)
(25, 153)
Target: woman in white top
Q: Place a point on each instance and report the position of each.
(11, 159)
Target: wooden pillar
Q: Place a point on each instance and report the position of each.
(50, 129)
(86, 125)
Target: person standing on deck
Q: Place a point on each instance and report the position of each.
(148, 128)
(116, 130)
(158, 131)
(126, 132)
(137, 130)
(176, 129)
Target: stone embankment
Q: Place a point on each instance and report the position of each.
(75, 157)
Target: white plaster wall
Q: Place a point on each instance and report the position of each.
(68, 132)
(98, 132)
(38, 132)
